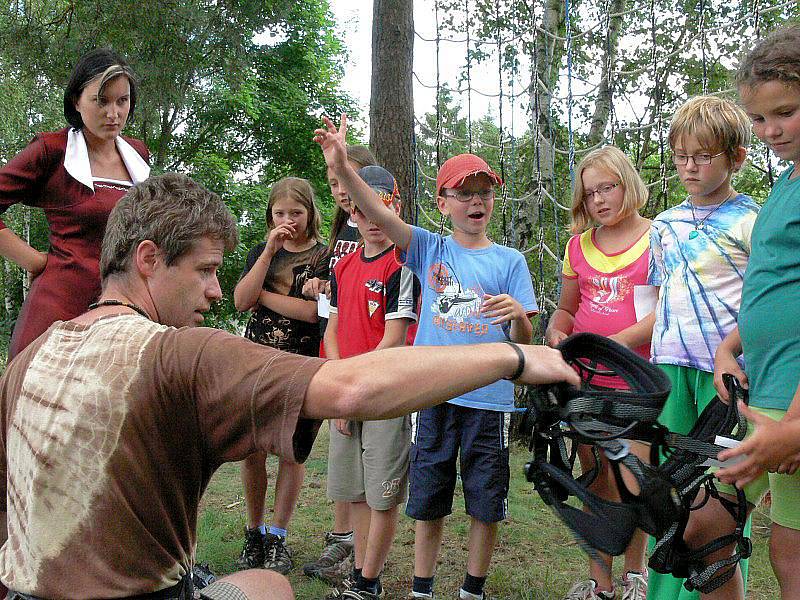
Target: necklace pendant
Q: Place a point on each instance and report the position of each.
(693, 234)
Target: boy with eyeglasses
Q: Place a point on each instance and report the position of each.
(699, 251)
(473, 290)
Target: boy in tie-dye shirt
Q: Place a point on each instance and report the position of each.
(698, 255)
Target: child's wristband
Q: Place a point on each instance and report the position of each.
(520, 364)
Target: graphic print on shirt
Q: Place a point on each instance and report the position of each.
(340, 249)
(607, 291)
(454, 308)
(271, 328)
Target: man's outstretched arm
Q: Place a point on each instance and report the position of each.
(397, 381)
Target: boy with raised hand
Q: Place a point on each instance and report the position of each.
(373, 303)
(472, 291)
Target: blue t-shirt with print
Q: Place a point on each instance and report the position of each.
(454, 281)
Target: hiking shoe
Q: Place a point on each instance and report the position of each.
(634, 586)
(336, 573)
(202, 576)
(338, 591)
(335, 552)
(585, 590)
(277, 555)
(252, 556)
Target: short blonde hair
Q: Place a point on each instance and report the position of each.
(718, 124)
(299, 190)
(613, 160)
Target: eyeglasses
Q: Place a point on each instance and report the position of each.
(698, 159)
(466, 196)
(604, 190)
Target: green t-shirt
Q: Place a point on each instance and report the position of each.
(769, 320)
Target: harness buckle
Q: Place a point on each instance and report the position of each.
(625, 449)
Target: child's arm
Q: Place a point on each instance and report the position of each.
(247, 292)
(334, 148)
(394, 333)
(560, 325)
(292, 308)
(502, 309)
(725, 362)
(637, 334)
(332, 351)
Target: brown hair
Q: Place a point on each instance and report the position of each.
(363, 157)
(170, 210)
(717, 123)
(613, 160)
(299, 190)
(775, 58)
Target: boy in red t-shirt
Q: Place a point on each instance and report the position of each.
(373, 303)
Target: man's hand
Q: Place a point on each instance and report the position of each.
(774, 447)
(545, 365)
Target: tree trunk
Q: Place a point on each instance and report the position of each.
(605, 92)
(391, 113)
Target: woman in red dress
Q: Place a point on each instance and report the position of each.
(76, 176)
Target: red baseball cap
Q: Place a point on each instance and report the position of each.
(455, 170)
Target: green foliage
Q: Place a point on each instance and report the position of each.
(229, 92)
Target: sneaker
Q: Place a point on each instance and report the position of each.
(419, 596)
(337, 572)
(462, 595)
(354, 594)
(252, 556)
(338, 591)
(585, 590)
(277, 555)
(634, 586)
(335, 552)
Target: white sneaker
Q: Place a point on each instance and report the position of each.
(586, 590)
(634, 586)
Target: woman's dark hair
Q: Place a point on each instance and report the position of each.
(105, 63)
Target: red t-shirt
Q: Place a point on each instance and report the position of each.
(367, 292)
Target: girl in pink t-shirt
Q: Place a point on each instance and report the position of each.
(604, 290)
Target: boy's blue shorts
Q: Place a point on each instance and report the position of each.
(481, 437)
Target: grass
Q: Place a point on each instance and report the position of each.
(536, 557)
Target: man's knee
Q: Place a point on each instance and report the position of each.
(255, 584)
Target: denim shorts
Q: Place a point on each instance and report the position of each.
(446, 437)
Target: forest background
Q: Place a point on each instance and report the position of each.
(231, 91)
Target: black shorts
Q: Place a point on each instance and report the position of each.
(439, 436)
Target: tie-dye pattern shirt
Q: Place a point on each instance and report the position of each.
(699, 261)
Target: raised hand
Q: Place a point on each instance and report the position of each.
(333, 142)
(277, 236)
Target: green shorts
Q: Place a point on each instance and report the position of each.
(784, 489)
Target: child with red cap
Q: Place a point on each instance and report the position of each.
(473, 290)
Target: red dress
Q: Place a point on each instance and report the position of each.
(76, 216)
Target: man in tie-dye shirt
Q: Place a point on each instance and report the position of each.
(699, 251)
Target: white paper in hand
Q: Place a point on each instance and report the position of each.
(323, 306)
